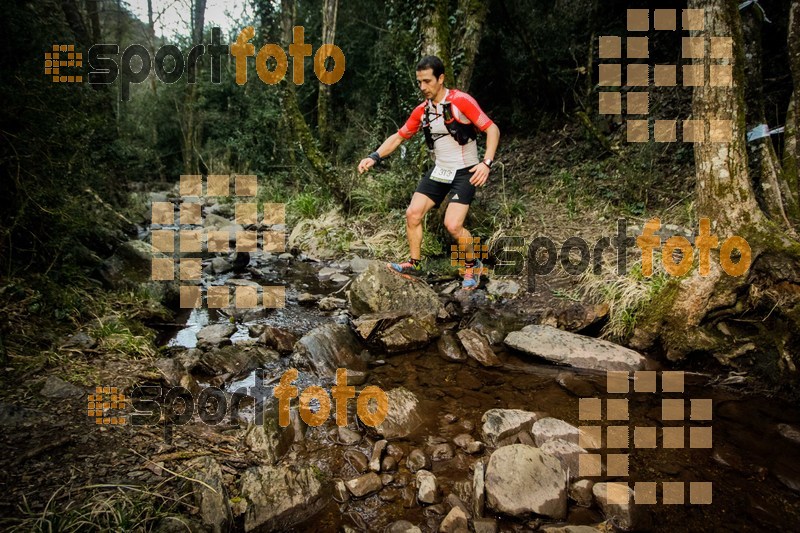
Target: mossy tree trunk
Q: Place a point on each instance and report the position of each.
(330, 9)
(791, 150)
(765, 169)
(298, 133)
(748, 321)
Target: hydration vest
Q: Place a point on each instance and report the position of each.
(462, 133)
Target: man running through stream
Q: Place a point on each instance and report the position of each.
(450, 120)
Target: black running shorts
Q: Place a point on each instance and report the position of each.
(460, 191)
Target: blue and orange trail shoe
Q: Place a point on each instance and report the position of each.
(472, 276)
(407, 269)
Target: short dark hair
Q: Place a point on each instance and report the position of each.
(433, 63)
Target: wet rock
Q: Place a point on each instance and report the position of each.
(357, 459)
(438, 509)
(278, 338)
(427, 488)
(395, 451)
(484, 525)
(325, 273)
(566, 452)
(502, 288)
(269, 441)
(478, 490)
(409, 333)
(449, 348)
(478, 348)
(454, 522)
(475, 447)
(340, 492)
(462, 440)
(494, 324)
(454, 501)
(378, 290)
(576, 385)
(386, 479)
(521, 479)
(441, 452)
(359, 265)
(790, 432)
(417, 460)
(307, 298)
(220, 265)
(280, 497)
(329, 347)
(235, 360)
(550, 428)
(377, 454)
(389, 494)
(409, 497)
(357, 377)
(403, 416)
(215, 335)
(610, 498)
(572, 349)
(175, 375)
(210, 495)
(339, 278)
(581, 492)
(364, 485)
(348, 437)
(56, 388)
(402, 526)
(389, 464)
(498, 424)
(330, 303)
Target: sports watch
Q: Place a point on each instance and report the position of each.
(488, 162)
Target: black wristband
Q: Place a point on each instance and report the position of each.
(375, 156)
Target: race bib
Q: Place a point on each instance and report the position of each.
(443, 175)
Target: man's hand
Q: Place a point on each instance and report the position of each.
(365, 164)
(480, 174)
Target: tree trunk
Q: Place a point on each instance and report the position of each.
(474, 12)
(75, 22)
(329, 12)
(191, 126)
(436, 35)
(298, 132)
(749, 321)
(94, 19)
(764, 167)
(790, 185)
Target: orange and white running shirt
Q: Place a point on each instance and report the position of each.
(449, 154)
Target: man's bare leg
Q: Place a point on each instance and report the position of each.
(419, 206)
(454, 222)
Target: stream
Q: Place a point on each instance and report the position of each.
(754, 464)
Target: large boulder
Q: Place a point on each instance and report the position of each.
(396, 331)
(210, 494)
(478, 348)
(521, 479)
(329, 347)
(403, 416)
(281, 497)
(497, 424)
(236, 359)
(131, 268)
(572, 349)
(377, 290)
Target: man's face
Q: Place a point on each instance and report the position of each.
(428, 84)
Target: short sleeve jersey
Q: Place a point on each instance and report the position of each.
(465, 109)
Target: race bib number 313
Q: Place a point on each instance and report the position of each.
(443, 175)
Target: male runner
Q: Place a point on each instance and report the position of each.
(450, 120)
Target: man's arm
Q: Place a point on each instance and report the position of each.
(480, 172)
(388, 146)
